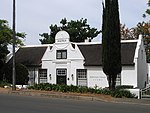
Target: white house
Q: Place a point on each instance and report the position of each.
(149, 72)
(65, 62)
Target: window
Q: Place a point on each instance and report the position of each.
(82, 77)
(43, 75)
(61, 72)
(118, 80)
(61, 54)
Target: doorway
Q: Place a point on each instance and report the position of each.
(61, 75)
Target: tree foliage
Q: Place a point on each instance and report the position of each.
(111, 55)
(78, 30)
(21, 74)
(3, 53)
(142, 28)
(6, 35)
(147, 12)
(133, 33)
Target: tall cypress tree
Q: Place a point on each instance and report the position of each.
(111, 57)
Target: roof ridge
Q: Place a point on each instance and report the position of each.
(43, 45)
(94, 43)
(81, 43)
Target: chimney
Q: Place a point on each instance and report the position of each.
(87, 40)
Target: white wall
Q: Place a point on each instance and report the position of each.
(142, 66)
(74, 61)
(149, 72)
(136, 75)
(129, 75)
(96, 77)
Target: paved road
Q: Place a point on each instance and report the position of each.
(26, 104)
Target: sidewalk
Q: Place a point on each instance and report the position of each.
(77, 96)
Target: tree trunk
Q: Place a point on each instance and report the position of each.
(114, 82)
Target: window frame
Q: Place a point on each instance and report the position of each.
(61, 54)
(81, 76)
(61, 72)
(44, 77)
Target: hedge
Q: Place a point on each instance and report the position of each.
(4, 83)
(65, 88)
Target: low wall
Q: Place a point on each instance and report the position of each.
(136, 92)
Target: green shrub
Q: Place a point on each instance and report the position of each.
(73, 88)
(48, 87)
(21, 74)
(64, 88)
(55, 87)
(99, 91)
(4, 83)
(116, 94)
(92, 90)
(82, 89)
(106, 91)
(31, 87)
(122, 93)
(127, 94)
(124, 87)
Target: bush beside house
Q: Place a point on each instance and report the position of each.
(4, 83)
(21, 74)
(65, 88)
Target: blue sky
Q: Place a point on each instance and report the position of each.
(35, 16)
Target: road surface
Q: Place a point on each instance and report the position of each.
(28, 104)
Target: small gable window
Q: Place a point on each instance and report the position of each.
(61, 54)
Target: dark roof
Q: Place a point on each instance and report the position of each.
(30, 56)
(127, 53)
(93, 53)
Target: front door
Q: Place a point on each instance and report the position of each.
(61, 76)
